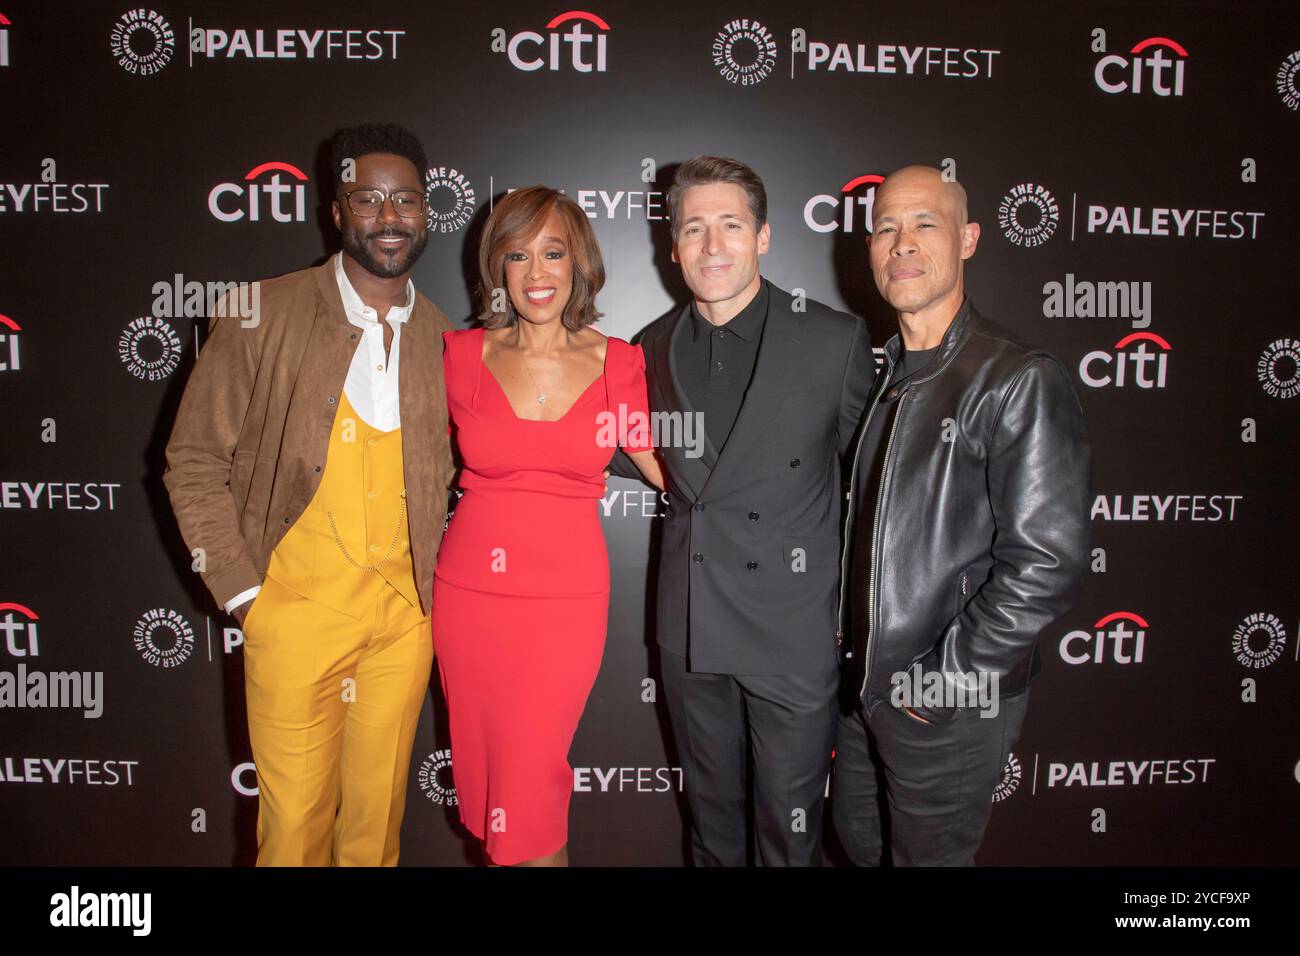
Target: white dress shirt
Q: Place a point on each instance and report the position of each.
(371, 385)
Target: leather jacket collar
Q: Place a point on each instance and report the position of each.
(953, 339)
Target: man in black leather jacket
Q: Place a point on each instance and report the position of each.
(967, 535)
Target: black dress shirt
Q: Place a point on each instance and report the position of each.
(715, 364)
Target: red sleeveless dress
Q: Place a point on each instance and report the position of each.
(521, 592)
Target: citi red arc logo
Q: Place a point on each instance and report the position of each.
(1148, 61)
(231, 202)
(21, 639)
(1128, 361)
(4, 41)
(586, 35)
(10, 358)
(1121, 634)
(847, 212)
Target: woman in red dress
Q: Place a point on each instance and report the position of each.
(521, 594)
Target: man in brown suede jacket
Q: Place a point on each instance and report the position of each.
(308, 470)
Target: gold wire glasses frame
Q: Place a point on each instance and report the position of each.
(366, 203)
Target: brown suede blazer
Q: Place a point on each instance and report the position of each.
(249, 445)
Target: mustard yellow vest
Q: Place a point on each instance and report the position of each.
(353, 537)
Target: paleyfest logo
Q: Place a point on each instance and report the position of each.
(142, 42)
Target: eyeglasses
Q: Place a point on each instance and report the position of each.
(367, 203)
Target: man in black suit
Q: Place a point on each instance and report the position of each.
(750, 558)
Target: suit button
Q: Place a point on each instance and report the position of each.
(699, 506)
(286, 519)
(752, 565)
(697, 558)
(794, 462)
(330, 400)
(753, 516)
(318, 469)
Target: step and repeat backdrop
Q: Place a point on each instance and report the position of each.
(1132, 166)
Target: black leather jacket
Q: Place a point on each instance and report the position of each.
(981, 536)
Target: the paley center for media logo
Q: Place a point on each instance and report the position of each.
(1259, 640)
(142, 42)
(1288, 81)
(1029, 214)
(1278, 368)
(435, 780)
(744, 52)
(449, 197)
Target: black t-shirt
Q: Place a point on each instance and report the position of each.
(867, 486)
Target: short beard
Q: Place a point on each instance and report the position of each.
(389, 267)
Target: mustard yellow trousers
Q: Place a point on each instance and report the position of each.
(333, 703)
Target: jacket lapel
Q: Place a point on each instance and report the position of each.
(690, 473)
(774, 370)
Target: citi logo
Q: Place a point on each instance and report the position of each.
(1124, 74)
(18, 623)
(4, 40)
(530, 51)
(1128, 362)
(10, 357)
(1126, 640)
(847, 212)
(282, 201)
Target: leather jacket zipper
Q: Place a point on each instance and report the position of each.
(875, 535)
(882, 385)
